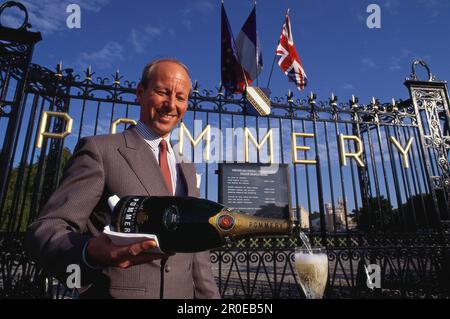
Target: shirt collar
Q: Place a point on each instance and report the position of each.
(151, 137)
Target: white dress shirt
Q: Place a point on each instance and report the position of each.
(153, 141)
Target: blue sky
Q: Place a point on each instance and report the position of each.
(340, 53)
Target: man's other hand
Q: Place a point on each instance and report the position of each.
(102, 252)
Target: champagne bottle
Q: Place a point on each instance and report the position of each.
(189, 224)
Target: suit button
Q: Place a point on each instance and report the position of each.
(167, 268)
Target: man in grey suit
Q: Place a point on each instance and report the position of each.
(139, 161)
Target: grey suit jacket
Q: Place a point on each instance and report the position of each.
(120, 164)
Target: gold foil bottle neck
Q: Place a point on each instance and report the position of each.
(234, 224)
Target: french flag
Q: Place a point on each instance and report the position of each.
(248, 48)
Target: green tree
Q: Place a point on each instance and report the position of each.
(18, 217)
(419, 211)
(377, 214)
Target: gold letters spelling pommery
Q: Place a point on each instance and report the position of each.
(248, 137)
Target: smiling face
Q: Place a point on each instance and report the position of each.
(164, 101)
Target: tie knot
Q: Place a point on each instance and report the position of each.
(163, 145)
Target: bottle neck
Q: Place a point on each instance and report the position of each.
(234, 224)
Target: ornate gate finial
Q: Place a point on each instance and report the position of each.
(414, 76)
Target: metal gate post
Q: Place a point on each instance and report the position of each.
(16, 51)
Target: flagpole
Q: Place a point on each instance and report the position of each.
(274, 58)
(271, 70)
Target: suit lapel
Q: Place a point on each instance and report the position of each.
(143, 163)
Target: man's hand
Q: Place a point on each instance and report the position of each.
(102, 252)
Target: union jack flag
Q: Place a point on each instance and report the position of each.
(290, 61)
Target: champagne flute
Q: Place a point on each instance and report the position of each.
(312, 270)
